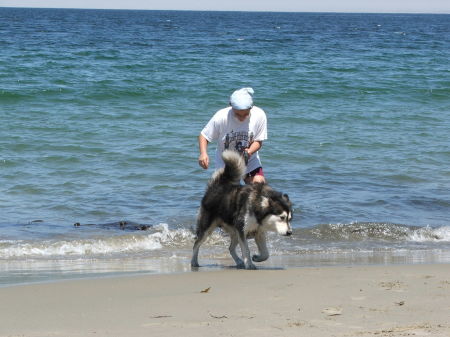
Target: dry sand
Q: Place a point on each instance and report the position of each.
(406, 300)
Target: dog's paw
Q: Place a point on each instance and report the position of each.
(259, 258)
(250, 266)
(240, 264)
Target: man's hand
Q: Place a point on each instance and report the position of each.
(249, 154)
(203, 161)
(246, 156)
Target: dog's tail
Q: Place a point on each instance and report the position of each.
(232, 172)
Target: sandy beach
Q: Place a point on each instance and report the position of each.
(399, 300)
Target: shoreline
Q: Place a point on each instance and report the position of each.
(29, 272)
(388, 300)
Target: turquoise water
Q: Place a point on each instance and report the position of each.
(100, 110)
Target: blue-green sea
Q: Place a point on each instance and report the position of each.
(100, 112)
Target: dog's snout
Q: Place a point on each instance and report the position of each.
(289, 233)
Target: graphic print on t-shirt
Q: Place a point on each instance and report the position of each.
(238, 140)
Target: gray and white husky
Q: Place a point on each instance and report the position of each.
(243, 211)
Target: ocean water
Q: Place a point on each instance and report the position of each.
(100, 112)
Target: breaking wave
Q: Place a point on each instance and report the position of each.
(358, 231)
(163, 238)
(136, 243)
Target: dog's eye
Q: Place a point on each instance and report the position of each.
(283, 217)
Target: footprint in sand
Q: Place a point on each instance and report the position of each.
(395, 286)
(332, 311)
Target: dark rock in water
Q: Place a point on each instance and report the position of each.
(144, 227)
(123, 225)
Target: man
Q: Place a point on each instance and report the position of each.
(241, 127)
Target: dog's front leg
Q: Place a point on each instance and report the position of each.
(260, 239)
(245, 251)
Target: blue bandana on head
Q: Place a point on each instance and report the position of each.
(242, 99)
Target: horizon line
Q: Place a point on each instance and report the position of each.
(228, 10)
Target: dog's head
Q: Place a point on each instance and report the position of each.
(279, 214)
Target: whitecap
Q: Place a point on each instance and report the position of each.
(424, 234)
(76, 248)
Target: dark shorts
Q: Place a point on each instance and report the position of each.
(256, 172)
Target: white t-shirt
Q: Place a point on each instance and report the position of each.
(233, 134)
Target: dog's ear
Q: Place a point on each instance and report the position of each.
(286, 196)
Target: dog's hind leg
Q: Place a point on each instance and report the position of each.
(233, 244)
(204, 228)
(198, 242)
(194, 260)
(260, 239)
(245, 251)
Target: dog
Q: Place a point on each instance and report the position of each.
(243, 211)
